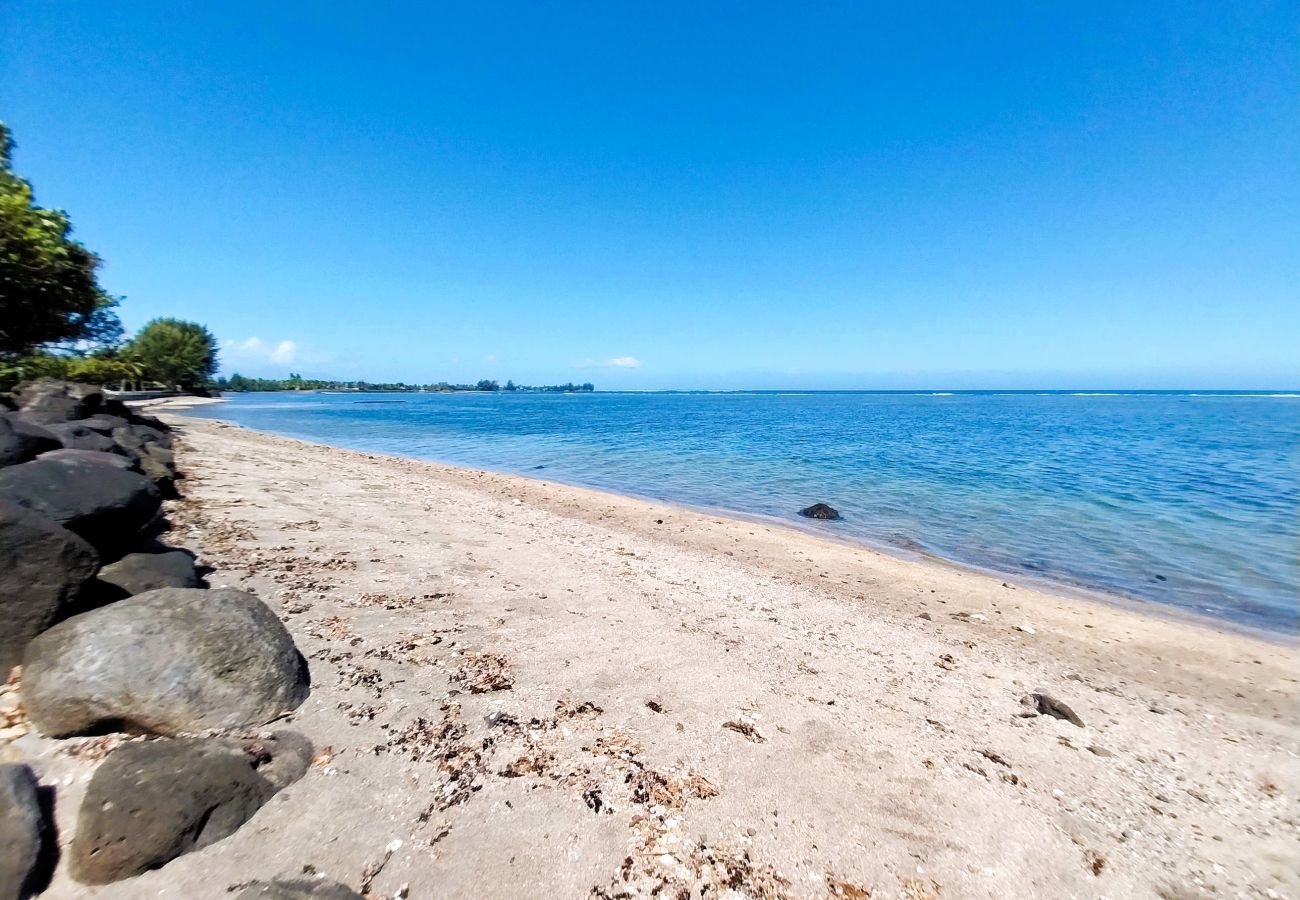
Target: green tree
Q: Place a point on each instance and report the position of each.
(181, 355)
(104, 369)
(49, 293)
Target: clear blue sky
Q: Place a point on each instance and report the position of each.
(686, 195)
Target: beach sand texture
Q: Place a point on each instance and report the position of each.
(523, 689)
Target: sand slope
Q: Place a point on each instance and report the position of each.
(699, 705)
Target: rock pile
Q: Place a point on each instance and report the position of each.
(116, 632)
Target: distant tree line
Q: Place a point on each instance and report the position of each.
(295, 382)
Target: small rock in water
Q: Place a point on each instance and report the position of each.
(1047, 705)
(819, 511)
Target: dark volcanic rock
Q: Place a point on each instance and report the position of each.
(298, 889)
(133, 437)
(152, 802)
(21, 440)
(166, 661)
(92, 457)
(43, 569)
(136, 573)
(49, 400)
(1047, 705)
(21, 824)
(282, 758)
(103, 423)
(819, 511)
(106, 506)
(75, 436)
(158, 464)
(153, 422)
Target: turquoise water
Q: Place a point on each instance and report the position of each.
(1190, 500)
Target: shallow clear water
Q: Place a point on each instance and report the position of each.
(1191, 500)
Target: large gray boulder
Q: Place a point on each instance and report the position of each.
(165, 662)
(21, 440)
(152, 802)
(134, 436)
(106, 506)
(21, 825)
(50, 400)
(150, 448)
(75, 436)
(157, 464)
(136, 573)
(103, 423)
(43, 570)
(93, 457)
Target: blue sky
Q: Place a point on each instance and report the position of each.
(684, 195)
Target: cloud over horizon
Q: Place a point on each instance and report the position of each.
(617, 362)
(254, 349)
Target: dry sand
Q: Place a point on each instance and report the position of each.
(525, 689)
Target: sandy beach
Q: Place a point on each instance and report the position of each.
(525, 689)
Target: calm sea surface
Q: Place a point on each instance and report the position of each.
(1190, 500)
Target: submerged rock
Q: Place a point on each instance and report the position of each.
(166, 661)
(21, 825)
(152, 802)
(819, 511)
(106, 506)
(43, 570)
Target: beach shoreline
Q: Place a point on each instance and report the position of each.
(1054, 586)
(524, 687)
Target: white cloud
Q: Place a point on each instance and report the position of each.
(256, 350)
(617, 362)
(284, 353)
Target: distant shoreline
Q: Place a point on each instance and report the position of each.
(956, 392)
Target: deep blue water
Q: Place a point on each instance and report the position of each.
(1190, 500)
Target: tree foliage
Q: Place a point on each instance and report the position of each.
(181, 355)
(49, 293)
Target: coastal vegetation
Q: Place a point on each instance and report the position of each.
(49, 290)
(57, 321)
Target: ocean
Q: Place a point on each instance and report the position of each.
(1191, 500)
